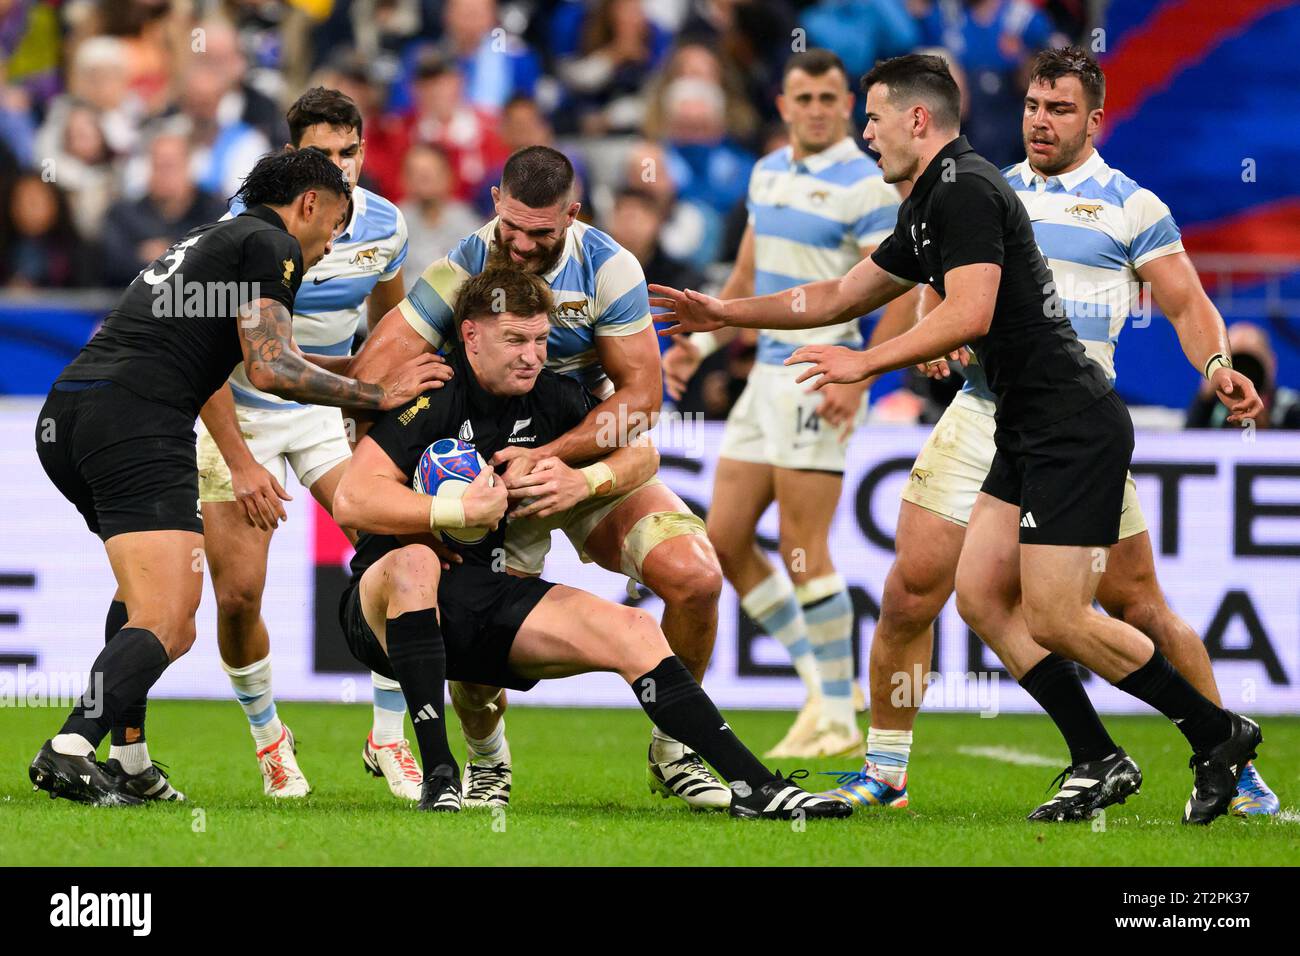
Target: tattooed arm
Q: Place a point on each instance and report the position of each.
(275, 365)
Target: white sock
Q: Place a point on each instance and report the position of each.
(134, 758)
(889, 750)
(494, 748)
(772, 606)
(72, 745)
(389, 726)
(664, 749)
(828, 618)
(252, 685)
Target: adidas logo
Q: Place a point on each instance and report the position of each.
(425, 713)
(1028, 520)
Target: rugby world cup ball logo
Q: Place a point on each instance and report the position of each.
(446, 469)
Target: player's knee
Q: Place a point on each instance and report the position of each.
(176, 634)
(1052, 624)
(641, 645)
(239, 602)
(909, 603)
(1148, 616)
(684, 572)
(414, 566)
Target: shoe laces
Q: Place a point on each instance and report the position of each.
(279, 773)
(406, 761)
(1251, 783)
(1058, 782)
(486, 778)
(690, 761)
(790, 779)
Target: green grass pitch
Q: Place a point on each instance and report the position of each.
(580, 797)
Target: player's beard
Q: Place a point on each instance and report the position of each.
(499, 257)
(1066, 154)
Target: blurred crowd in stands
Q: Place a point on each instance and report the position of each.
(124, 123)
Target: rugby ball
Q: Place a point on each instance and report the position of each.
(446, 469)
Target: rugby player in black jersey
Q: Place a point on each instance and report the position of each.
(116, 435)
(406, 616)
(1049, 509)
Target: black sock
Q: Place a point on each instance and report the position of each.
(419, 659)
(1158, 684)
(1054, 683)
(678, 706)
(129, 726)
(122, 673)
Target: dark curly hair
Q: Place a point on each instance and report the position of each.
(281, 177)
(1050, 65)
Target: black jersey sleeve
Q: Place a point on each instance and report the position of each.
(573, 402)
(404, 433)
(272, 259)
(971, 219)
(896, 256)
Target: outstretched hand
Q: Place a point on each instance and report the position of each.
(691, 311)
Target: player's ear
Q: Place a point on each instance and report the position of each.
(572, 212)
(496, 196)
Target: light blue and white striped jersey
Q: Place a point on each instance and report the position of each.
(1096, 228)
(332, 297)
(812, 219)
(597, 285)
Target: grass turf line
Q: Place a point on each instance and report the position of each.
(580, 797)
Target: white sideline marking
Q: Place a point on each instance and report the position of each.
(1007, 755)
(1288, 816)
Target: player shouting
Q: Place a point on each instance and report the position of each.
(1102, 235)
(116, 436)
(1050, 507)
(251, 438)
(601, 334)
(476, 621)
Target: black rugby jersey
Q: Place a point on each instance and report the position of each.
(463, 409)
(961, 212)
(174, 335)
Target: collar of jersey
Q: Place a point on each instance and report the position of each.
(358, 210)
(266, 214)
(835, 153)
(954, 149)
(1091, 167)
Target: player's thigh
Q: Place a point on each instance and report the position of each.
(160, 577)
(650, 517)
(236, 552)
(927, 548)
(323, 488)
(1058, 583)
(742, 491)
(573, 632)
(988, 569)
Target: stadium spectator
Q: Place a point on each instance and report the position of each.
(634, 222)
(384, 133)
(151, 34)
(39, 247)
(138, 231)
(522, 123)
(435, 220)
(1252, 356)
(443, 117)
(17, 132)
(97, 77)
(225, 147)
(222, 52)
(82, 165)
(495, 64)
(861, 32)
(993, 40)
(620, 48)
(695, 60)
